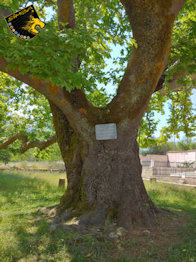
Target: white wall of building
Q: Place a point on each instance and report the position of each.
(182, 156)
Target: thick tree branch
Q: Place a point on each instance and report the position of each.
(11, 140)
(151, 23)
(53, 93)
(40, 144)
(26, 145)
(74, 105)
(66, 13)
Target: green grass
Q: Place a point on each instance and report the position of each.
(178, 198)
(41, 164)
(25, 235)
(172, 196)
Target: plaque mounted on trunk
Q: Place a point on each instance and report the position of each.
(105, 131)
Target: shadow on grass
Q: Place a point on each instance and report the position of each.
(63, 245)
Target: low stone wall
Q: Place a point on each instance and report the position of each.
(147, 172)
(187, 180)
(153, 163)
(163, 174)
(166, 171)
(158, 158)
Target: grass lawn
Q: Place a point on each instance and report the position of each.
(25, 234)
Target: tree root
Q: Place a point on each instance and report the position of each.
(50, 211)
(96, 217)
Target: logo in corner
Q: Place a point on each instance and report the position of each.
(25, 23)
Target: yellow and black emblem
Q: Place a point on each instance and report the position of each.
(24, 23)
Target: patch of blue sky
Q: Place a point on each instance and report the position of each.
(50, 13)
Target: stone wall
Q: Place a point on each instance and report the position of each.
(163, 174)
(158, 158)
(147, 172)
(162, 171)
(166, 171)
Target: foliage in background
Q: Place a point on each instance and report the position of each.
(24, 111)
(184, 144)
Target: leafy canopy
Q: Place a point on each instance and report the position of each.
(101, 27)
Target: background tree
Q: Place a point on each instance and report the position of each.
(25, 117)
(66, 61)
(184, 144)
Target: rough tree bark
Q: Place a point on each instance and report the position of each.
(104, 177)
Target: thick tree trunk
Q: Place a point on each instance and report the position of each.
(112, 182)
(104, 177)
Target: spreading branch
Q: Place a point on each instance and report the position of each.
(26, 145)
(74, 105)
(153, 36)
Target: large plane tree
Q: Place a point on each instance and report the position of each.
(65, 62)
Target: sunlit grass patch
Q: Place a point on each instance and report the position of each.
(167, 195)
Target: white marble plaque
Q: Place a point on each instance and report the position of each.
(105, 131)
